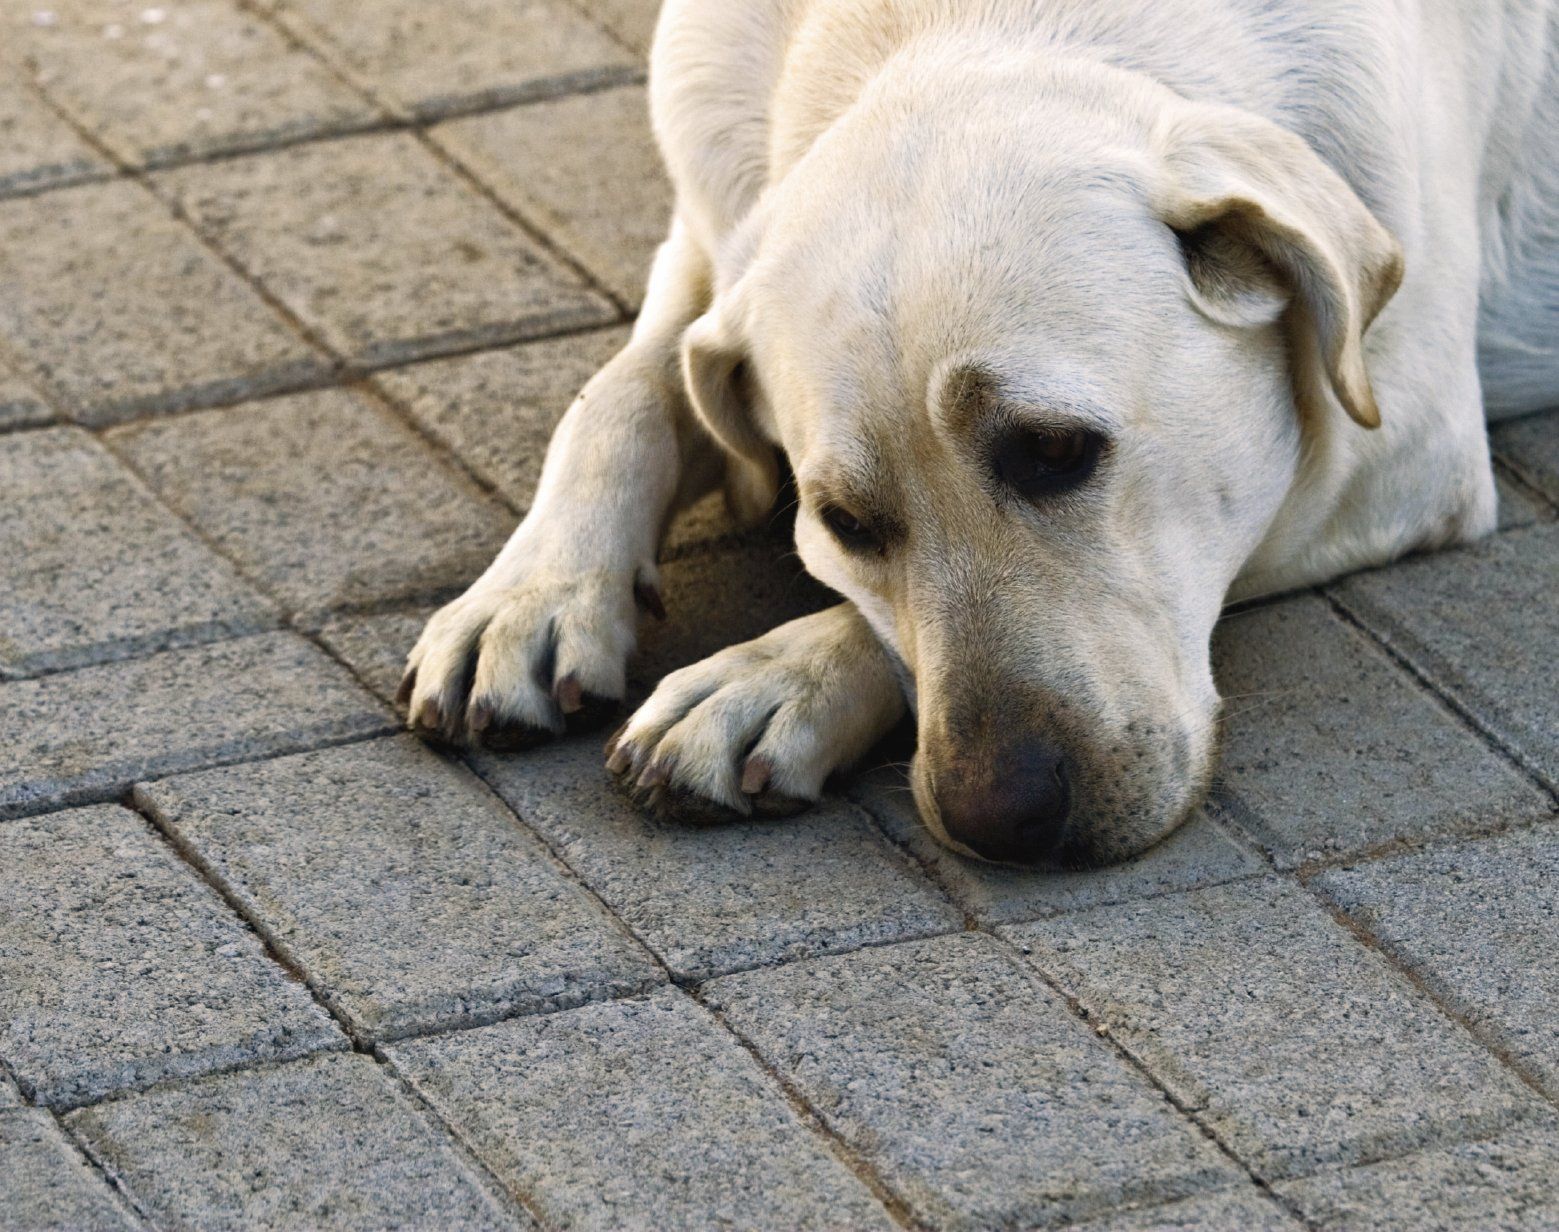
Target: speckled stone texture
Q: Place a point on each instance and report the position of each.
(412, 901)
(1234, 1210)
(328, 1142)
(968, 1084)
(1507, 1184)
(375, 647)
(86, 735)
(1530, 447)
(496, 410)
(1481, 623)
(711, 899)
(198, 77)
(1330, 748)
(1298, 1047)
(119, 968)
(92, 568)
(1200, 853)
(37, 148)
(633, 21)
(586, 170)
(325, 499)
(372, 242)
(46, 1186)
(426, 60)
(20, 404)
(1479, 924)
(1518, 504)
(116, 309)
(636, 1114)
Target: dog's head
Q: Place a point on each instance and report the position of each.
(1041, 362)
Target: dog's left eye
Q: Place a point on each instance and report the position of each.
(1040, 463)
(849, 529)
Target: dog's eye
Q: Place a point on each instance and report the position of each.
(1045, 463)
(849, 529)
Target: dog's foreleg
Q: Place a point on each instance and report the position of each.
(760, 726)
(548, 628)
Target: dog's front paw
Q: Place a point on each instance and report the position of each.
(760, 726)
(506, 665)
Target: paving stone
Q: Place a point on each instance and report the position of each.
(37, 148)
(95, 568)
(1479, 924)
(1233, 1210)
(1299, 1047)
(496, 410)
(328, 1142)
(967, 1084)
(45, 1186)
(382, 249)
(633, 21)
(1481, 623)
(9, 1096)
(411, 900)
(87, 735)
(119, 968)
(20, 405)
(1331, 748)
(117, 310)
(326, 499)
(1199, 853)
(183, 80)
(460, 54)
(711, 899)
(375, 647)
(583, 168)
(1518, 506)
(635, 1114)
(1509, 1184)
(1530, 447)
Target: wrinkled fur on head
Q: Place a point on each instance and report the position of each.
(1064, 246)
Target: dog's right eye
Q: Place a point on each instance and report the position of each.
(1047, 463)
(849, 529)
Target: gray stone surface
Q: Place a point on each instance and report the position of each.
(45, 1185)
(633, 21)
(119, 968)
(1518, 505)
(1482, 624)
(1509, 1184)
(711, 899)
(428, 60)
(496, 410)
(1199, 853)
(87, 735)
(970, 1086)
(1331, 748)
(1530, 447)
(412, 901)
(1479, 924)
(375, 647)
(117, 310)
(636, 1114)
(382, 249)
(37, 148)
(20, 404)
(583, 168)
(10, 1097)
(327, 1142)
(92, 568)
(1298, 1047)
(199, 77)
(326, 499)
(1232, 1210)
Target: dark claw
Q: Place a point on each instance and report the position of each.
(568, 695)
(648, 598)
(408, 687)
(755, 775)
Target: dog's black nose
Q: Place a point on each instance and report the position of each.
(1016, 812)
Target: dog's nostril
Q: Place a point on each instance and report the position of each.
(1016, 814)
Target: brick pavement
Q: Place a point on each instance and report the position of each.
(291, 295)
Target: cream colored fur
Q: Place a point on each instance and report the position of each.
(901, 220)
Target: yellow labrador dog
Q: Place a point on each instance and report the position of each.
(1073, 319)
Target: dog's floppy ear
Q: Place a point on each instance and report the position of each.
(714, 368)
(1268, 228)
